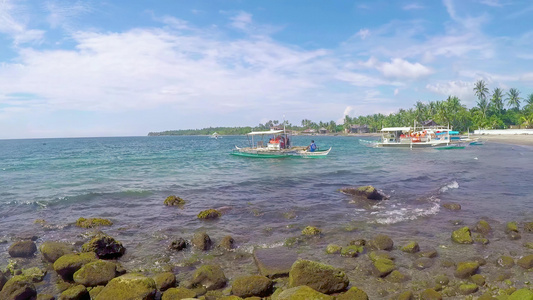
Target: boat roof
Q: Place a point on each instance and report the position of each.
(396, 129)
(265, 132)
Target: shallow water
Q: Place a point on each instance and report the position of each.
(126, 180)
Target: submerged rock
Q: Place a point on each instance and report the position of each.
(201, 241)
(352, 251)
(333, 249)
(227, 243)
(505, 262)
(383, 266)
(526, 262)
(209, 214)
(209, 276)
(462, 236)
(381, 242)
(430, 294)
(274, 262)
(93, 222)
(483, 227)
(252, 286)
(323, 278)
(511, 227)
(22, 249)
(174, 201)
(466, 269)
(397, 277)
(129, 286)
(104, 246)
(302, 292)
(51, 251)
(469, 288)
(411, 247)
(452, 206)
(311, 230)
(178, 244)
(528, 227)
(367, 192)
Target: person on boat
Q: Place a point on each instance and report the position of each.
(312, 147)
(282, 143)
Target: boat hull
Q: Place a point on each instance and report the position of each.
(279, 154)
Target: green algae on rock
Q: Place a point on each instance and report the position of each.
(333, 249)
(521, 294)
(511, 227)
(478, 279)
(321, 277)
(302, 293)
(209, 276)
(466, 269)
(165, 280)
(93, 292)
(95, 273)
(249, 286)
(173, 200)
(430, 294)
(209, 214)
(397, 277)
(505, 262)
(227, 243)
(352, 251)
(68, 264)
(201, 241)
(381, 242)
(468, 288)
(18, 287)
(526, 262)
(483, 227)
(311, 230)
(411, 247)
(104, 246)
(51, 251)
(353, 293)
(462, 236)
(383, 266)
(178, 293)
(129, 286)
(93, 222)
(22, 249)
(35, 274)
(75, 292)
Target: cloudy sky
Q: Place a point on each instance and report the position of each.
(116, 68)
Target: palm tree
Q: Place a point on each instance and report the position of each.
(420, 111)
(514, 98)
(529, 99)
(481, 92)
(497, 100)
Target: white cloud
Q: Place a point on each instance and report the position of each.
(527, 77)
(459, 88)
(399, 68)
(63, 13)
(396, 92)
(412, 6)
(494, 3)
(363, 33)
(242, 20)
(13, 22)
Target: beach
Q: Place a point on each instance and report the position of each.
(511, 139)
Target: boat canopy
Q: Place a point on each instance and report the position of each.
(405, 129)
(265, 132)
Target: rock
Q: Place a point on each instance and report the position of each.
(430, 294)
(442, 280)
(22, 249)
(367, 192)
(68, 264)
(302, 293)
(129, 286)
(381, 242)
(174, 201)
(77, 292)
(513, 235)
(274, 262)
(383, 266)
(3, 280)
(478, 279)
(227, 243)
(407, 295)
(423, 263)
(333, 249)
(34, 274)
(452, 206)
(374, 255)
(104, 246)
(505, 262)
(429, 253)
(95, 291)
(526, 262)
(358, 242)
(178, 293)
(209, 276)
(45, 297)
(528, 227)
(482, 227)
(18, 287)
(411, 247)
(462, 236)
(353, 294)
(254, 285)
(529, 245)
(201, 241)
(467, 289)
(310, 230)
(397, 277)
(164, 281)
(352, 251)
(466, 269)
(178, 244)
(522, 294)
(95, 273)
(486, 296)
(510, 227)
(323, 278)
(209, 214)
(481, 240)
(51, 251)
(93, 222)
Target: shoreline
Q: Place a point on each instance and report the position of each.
(509, 139)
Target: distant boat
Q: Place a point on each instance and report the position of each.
(215, 136)
(419, 137)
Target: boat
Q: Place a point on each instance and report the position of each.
(215, 136)
(477, 143)
(278, 146)
(450, 147)
(416, 137)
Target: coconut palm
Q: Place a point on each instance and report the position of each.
(529, 99)
(481, 90)
(513, 98)
(496, 101)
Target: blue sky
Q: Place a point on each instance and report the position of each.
(114, 68)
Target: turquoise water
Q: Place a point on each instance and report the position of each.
(265, 201)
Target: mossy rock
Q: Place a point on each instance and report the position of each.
(310, 230)
(468, 288)
(93, 222)
(462, 236)
(227, 243)
(96, 273)
(481, 240)
(76, 292)
(452, 206)
(165, 280)
(45, 297)
(397, 277)
(353, 293)
(18, 287)
(381, 242)
(250, 286)
(22, 249)
(478, 279)
(178, 244)
(174, 201)
(357, 242)
(511, 227)
(513, 235)
(407, 295)
(526, 262)
(411, 247)
(429, 253)
(178, 294)
(374, 255)
(201, 241)
(209, 276)
(209, 214)
(35, 274)
(430, 294)
(3, 280)
(521, 294)
(483, 227)
(302, 293)
(68, 264)
(384, 266)
(95, 291)
(423, 263)
(529, 245)
(352, 251)
(442, 280)
(51, 251)
(333, 249)
(129, 286)
(321, 277)
(466, 269)
(528, 227)
(505, 262)
(104, 246)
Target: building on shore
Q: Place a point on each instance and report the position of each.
(358, 129)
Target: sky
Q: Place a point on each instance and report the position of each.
(125, 68)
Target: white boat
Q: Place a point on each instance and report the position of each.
(215, 136)
(416, 137)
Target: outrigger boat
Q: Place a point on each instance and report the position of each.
(215, 136)
(419, 137)
(278, 146)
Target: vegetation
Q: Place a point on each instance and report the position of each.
(489, 113)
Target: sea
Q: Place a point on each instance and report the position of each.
(47, 184)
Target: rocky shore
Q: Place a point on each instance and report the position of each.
(468, 264)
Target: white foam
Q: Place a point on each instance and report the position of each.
(405, 214)
(453, 185)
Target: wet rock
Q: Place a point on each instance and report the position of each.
(333, 249)
(511, 227)
(429, 253)
(407, 295)
(209, 214)
(467, 289)
(486, 296)
(178, 244)
(164, 281)
(227, 243)
(352, 294)
(528, 227)
(323, 278)
(381, 242)
(529, 245)
(209, 276)
(201, 241)
(18, 287)
(358, 242)
(367, 192)
(411, 247)
(423, 263)
(68, 264)
(397, 277)
(462, 236)
(374, 255)
(513, 235)
(302, 292)
(481, 240)
(522, 294)
(483, 227)
(430, 294)
(45, 297)
(51, 251)
(249, 286)
(383, 266)
(104, 246)
(352, 251)
(478, 279)
(95, 291)
(95, 273)
(77, 292)
(22, 249)
(466, 269)
(174, 201)
(3, 280)
(129, 286)
(93, 222)
(178, 294)
(442, 280)
(274, 262)
(452, 206)
(310, 230)
(526, 262)
(505, 262)
(34, 274)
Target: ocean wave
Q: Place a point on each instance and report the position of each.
(453, 185)
(396, 216)
(250, 248)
